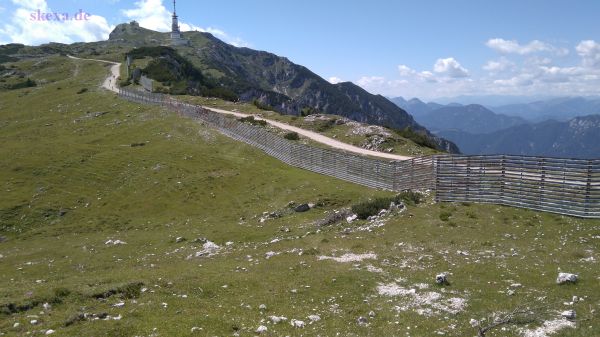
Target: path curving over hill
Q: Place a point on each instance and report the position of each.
(110, 83)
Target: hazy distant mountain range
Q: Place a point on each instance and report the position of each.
(577, 138)
(561, 109)
(561, 127)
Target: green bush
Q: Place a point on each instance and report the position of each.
(445, 216)
(410, 197)
(253, 121)
(292, 136)
(369, 208)
(417, 137)
(29, 83)
(82, 90)
(261, 106)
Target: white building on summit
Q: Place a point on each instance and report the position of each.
(176, 39)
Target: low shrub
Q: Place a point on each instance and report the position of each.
(82, 90)
(291, 136)
(410, 197)
(253, 121)
(261, 106)
(445, 216)
(369, 208)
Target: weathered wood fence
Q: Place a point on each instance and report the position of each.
(565, 186)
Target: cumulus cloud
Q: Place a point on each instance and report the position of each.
(513, 47)
(407, 72)
(589, 50)
(152, 14)
(499, 65)
(450, 67)
(22, 29)
(335, 80)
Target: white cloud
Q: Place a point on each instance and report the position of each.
(406, 71)
(450, 67)
(589, 50)
(22, 29)
(499, 65)
(152, 14)
(369, 81)
(335, 80)
(513, 47)
(521, 80)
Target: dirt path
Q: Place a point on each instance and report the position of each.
(110, 83)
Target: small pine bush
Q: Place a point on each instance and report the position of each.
(291, 136)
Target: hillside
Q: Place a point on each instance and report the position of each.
(280, 84)
(577, 138)
(119, 219)
(471, 118)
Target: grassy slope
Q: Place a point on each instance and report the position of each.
(190, 181)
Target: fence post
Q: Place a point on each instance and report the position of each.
(468, 179)
(588, 188)
(542, 180)
(437, 178)
(502, 177)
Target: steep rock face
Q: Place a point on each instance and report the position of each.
(291, 88)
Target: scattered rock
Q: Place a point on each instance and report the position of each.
(362, 320)
(50, 331)
(297, 324)
(442, 279)
(302, 208)
(33, 322)
(569, 314)
(261, 329)
(349, 257)
(566, 278)
(180, 239)
(115, 242)
(371, 313)
(269, 255)
(209, 248)
(46, 306)
(16, 325)
(277, 319)
(200, 240)
(351, 218)
(474, 323)
(196, 328)
(314, 318)
(119, 305)
(262, 307)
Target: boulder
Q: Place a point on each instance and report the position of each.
(362, 320)
(442, 279)
(302, 208)
(261, 329)
(564, 278)
(568, 314)
(297, 324)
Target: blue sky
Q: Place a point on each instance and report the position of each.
(428, 49)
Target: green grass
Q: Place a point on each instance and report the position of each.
(71, 180)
